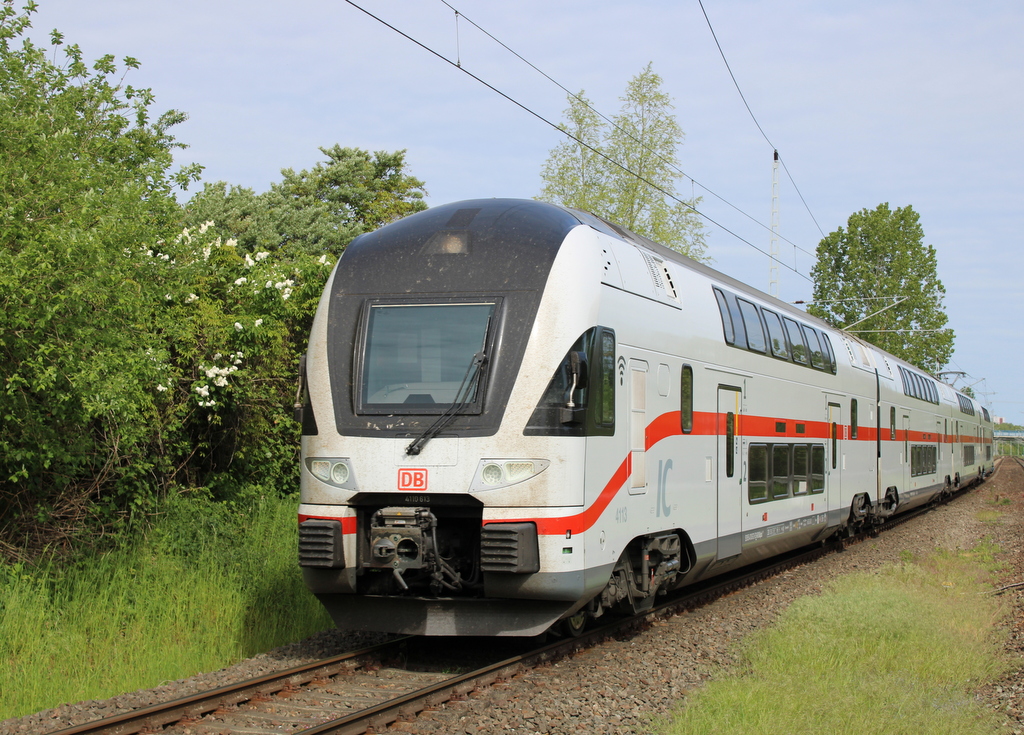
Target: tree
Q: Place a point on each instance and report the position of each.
(878, 259)
(315, 211)
(85, 187)
(626, 170)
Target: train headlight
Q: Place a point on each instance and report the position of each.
(492, 474)
(337, 472)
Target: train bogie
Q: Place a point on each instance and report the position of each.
(519, 414)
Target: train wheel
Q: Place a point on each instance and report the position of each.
(574, 625)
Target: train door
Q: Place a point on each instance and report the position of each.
(907, 469)
(730, 471)
(638, 427)
(834, 463)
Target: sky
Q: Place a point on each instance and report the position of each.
(899, 101)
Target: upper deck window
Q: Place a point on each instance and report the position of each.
(422, 358)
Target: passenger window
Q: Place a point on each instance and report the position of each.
(757, 486)
(752, 325)
(817, 360)
(730, 438)
(780, 471)
(797, 341)
(817, 468)
(776, 334)
(829, 354)
(801, 484)
(686, 399)
(723, 308)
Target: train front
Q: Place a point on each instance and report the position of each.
(446, 397)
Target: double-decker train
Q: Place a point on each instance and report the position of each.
(518, 415)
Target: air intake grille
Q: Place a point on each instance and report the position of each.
(320, 544)
(509, 547)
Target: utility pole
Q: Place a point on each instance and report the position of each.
(773, 267)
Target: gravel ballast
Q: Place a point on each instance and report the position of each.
(622, 686)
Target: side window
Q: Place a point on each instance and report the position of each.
(853, 418)
(830, 356)
(757, 462)
(817, 358)
(817, 468)
(723, 308)
(892, 423)
(730, 439)
(776, 334)
(796, 339)
(801, 479)
(780, 470)
(605, 388)
(686, 399)
(752, 325)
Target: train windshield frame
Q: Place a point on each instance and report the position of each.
(422, 357)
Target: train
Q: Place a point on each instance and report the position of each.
(518, 417)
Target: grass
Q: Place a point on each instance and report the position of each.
(894, 652)
(209, 584)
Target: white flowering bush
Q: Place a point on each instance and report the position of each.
(233, 326)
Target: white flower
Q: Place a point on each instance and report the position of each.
(168, 297)
(240, 281)
(249, 262)
(270, 284)
(261, 256)
(161, 388)
(323, 259)
(205, 226)
(220, 381)
(190, 298)
(258, 322)
(206, 252)
(286, 293)
(238, 326)
(202, 390)
(232, 242)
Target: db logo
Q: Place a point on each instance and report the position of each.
(412, 479)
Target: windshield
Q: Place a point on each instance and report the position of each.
(416, 356)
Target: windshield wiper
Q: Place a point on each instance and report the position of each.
(466, 389)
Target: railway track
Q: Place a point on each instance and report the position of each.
(368, 689)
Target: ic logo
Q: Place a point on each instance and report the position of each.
(410, 479)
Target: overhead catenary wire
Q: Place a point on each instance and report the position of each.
(754, 117)
(555, 126)
(610, 121)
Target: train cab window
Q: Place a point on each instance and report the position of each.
(817, 357)
(757, 463)
(604, 388)
(776, 334)
(853, 418)
(580, 397)
(686, 399)
(752, 325)
(796, 339)
(423, 358)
